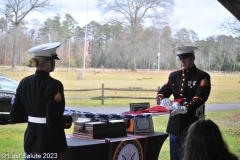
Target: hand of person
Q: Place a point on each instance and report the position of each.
(166, 102)
(173, 106)
(74, 117)
(179, 110)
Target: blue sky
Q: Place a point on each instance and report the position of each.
(202, 16)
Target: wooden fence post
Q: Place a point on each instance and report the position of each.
(103, 94)
(158, 88)
(157, 100)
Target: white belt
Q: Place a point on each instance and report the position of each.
(36, 120)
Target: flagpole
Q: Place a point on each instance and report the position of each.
(84, 55)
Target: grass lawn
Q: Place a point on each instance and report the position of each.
(225, 90)
(225, 87)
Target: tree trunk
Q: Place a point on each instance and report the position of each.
(14, 47)
(222, 61)
(133, 53)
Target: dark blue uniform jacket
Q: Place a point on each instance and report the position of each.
(192, 84)
(40, 95)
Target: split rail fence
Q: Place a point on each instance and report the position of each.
(102, 96)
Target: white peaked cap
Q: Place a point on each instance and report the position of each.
(184, 51)
(45, 50)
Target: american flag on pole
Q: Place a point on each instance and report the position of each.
(86, 45)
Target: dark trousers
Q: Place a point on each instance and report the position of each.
(44, 156)
(176, 147)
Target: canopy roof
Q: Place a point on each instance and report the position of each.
(233, 6)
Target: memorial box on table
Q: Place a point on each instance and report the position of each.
(113, 128)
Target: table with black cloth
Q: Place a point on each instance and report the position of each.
(132, 146)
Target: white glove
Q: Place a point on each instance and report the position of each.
(179, 110)
(166, 102)
(173, 106)
(74, 117)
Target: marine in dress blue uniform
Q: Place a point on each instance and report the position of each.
(191, 84)
(40, 102)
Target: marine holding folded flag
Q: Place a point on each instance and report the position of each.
(190, 88)
(40, 101)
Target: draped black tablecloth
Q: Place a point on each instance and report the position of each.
(138, 147)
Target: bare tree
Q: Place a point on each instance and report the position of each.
(133, 13)
(15, 11)
(232, 25)
(183, 37)
(3, 35)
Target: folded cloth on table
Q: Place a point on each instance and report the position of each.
(154, 109)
